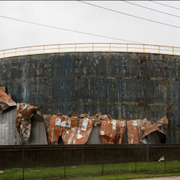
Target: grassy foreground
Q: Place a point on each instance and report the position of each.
(91, 172)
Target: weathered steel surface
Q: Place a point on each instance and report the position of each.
(123, 85)
(38, 131)
(7, 126)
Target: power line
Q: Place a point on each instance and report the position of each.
(70, 30)
(151, 9)
(164, 5)
(134, 16)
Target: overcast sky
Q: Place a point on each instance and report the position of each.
(82, 17)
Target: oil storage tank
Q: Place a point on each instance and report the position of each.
(126, 85)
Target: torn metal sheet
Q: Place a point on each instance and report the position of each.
(47, 120)
(69, 133)
(134, 131)
(23, 121)
(84, 128)
(72, 129)
(5, 100)
(96, 119)
(151, 134)
(111, 130)
(80, 130)
(56, 127)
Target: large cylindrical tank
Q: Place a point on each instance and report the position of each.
(124, 85)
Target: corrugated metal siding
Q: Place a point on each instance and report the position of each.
(124, 85)
(7, 127)
(38, 133)
(94, 137)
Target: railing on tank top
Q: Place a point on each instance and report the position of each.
(89, 47)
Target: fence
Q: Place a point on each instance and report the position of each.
(73, 160)
(90, 47)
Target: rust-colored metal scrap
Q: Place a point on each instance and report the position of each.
(111, 130)
(134, 131)
(76, 129)
(83, 130)
(5, 100)
(139, 131)
(23, 121)
(73, 129)
(149, 127)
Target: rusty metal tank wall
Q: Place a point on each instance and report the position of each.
(124, 85)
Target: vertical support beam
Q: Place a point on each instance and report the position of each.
(92, 47)
(147, 153)
(102, 159)
(59, 48)
(143, 47)
(165, 158)
(23, 162)
(64, 160)
(135, 155)
(82, 154)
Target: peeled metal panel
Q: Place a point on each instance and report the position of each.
(7, 127)
(5, 100)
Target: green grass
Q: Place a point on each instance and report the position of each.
(91, 172)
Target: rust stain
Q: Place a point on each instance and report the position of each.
(5, 100)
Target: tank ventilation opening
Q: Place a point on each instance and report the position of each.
(155, 137)
(60, 141)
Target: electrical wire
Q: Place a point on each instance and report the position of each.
(165, 5)
(134, 16)
(70, 30)
(162, 12)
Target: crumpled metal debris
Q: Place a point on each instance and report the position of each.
(147, 132)
(5, 100)
(73, 129)
(55, 129)
(23, 121)
(151, 134)
(112, 130)
(134, 131)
